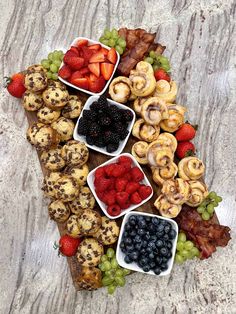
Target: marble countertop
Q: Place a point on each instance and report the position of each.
(200, 39)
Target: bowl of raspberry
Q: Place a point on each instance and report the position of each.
(104, 125)
(119, 186)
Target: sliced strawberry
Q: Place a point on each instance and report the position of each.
(75, 50)
(104, 51)
(84, 71)
(92, 77)
(80, 82)
(94, 47)
(112, 55)
(65, 72)
(94, 68)
(75, 63)
(97, 57)
(70, 53)
(87, 54)
(82, 42)
(107, 70)
(96, 86)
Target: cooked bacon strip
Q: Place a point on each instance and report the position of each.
(158, 48)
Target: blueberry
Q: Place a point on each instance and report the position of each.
(169, 244)
(148, 219)
(129, 248)
(159, 243)
(122, 244)
(143, 261)
(141, 231)
(147, 236)
(164, 251)
(123, 249)
(164, 259)
(125, 234)
(157, 271)
(127, 259)
(152, 229)
(136, 227)
(172, 234)
(153, 237)
(133, 233)
(137, 239)
(159, 260)
(152, 265)
(128, 227)
(146, 268)
(155, 221)
(138, 246)
(160, 227)
(142, 223)
(160, 234)
(151, 256)
(164, 266)
(169, 255)
(165, 237)
(134, 255)
(144, 243)
(152, 244)
(149, 249)
(155, 251)
(143, 251)
(167, 228)
(132, 220)
(128, 240)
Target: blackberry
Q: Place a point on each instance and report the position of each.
(127, 115)
(102, 100)
(119, 127)
(99, 142)
(90, 140)
(123, 135)
(114, 138)
(94, 130)
(95, 106)
(89, 115)
(104, 121)
(82, 126)
(107, 136)
(112, 147)
(117, 116)
(113, 109)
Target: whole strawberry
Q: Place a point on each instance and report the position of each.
(15, 85)
(185, 133)
(67, 245)
(185, 149)
(161, 74)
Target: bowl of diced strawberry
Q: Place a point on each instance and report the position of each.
(119, 185)
(88, 66)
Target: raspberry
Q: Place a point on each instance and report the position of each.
(132, 187)
(125, 159)
(108, 169)
(135, 198)
(100, 195)
(118, 170)
(100, 172)
(122, 198)
(102, 184)
(110, 197)
(114, 210)
(144, 191)
(137, 174)
(120, 184)
(126, 205)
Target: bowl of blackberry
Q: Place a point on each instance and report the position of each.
(104, 125)
(147, 243)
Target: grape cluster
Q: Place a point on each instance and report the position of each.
(52, 63)
(112, 274)
(112, 39)
(207, 207)
(158, 61)
(185, 249)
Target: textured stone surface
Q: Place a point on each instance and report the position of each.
(200, 39)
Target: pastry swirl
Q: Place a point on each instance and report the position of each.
(145, 132)
(166, 90)
(139, 151)
(160, 175)
(120, 89)
(198, 192)
(142, 79)
(138, 104)
(176, 191)
(167, 139)
(154, 110)
(166, 208)
(191, 168)
(175, 120)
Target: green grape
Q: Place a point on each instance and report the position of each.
(45, 63)
(152, 54)
(210, 209)
(114, 263)
(105, 42)
(56, 55)
(205, 215)
(49, 75)
(50, 56)
(212, 195)
(104, 258)
(149, 60)
(182, 237)
(215, 203)
(165, 67)
(107, 34)
(119, 273)
(111, 42)
(201, 209)
(179, 258)
(185, 253)
(120, 281)
(218, 199)
(180, 246)
(121, 42)
(111, 289)
(101, 38)
(155, 67)
(188, 245)
(114, 33)
(53, 68)
(57, 63)
(195, 251)
(101, 266)
(54, 76)
(109, 273)
(119, 49)
(106, 281)
(110, 252)
(107, 265)
(126, 271)
(61, 53)
(163, 60)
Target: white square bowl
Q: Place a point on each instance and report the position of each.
(133, 266)
(102, 150)
(103, 206)
(91, 42)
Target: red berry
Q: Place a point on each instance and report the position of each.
(100, 172)
(68, 246)
(65, 72)
(161, 74)
(135, 198)
(110, 197)
(125, 159)
(15, 85)
(102, 184)
(122, 198)
(185, 133)
(144, 191)
(118, 170)
(108, 169)
(120, 184)
(114, 210)
(137, 174)
(125, 205)
(132, 187)
(185, 149)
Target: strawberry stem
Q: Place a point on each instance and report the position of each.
(6, 81)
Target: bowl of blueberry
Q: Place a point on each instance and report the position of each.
(147, 243)
(104, 125)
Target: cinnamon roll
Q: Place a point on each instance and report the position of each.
(176, 191)
(142, 79)
(145, 132)
(166, 208)
(159, 175)
(120, 89)
(139, 151)
(167, 139)
(138, 104)
(158, 155)
(175, 120)
(154, 110)
(166, 90)
(198, 192)
(191, 168)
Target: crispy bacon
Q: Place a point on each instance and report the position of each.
(206, 235)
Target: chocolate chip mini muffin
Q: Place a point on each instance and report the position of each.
(73, 108)
(35, 68)
(85, 200)
(89, 222)
(47, 115)
(42, 136)
(89, 252)
(79, 173)
(36, 81)
(89, 278)
(64, 127)
(75, 153)
(49, 182)
(57, 84)
(55, 97)
(66, 188)
(58, 211)
(32, 101)
(72, 226)
(52, 159)
(108, 232)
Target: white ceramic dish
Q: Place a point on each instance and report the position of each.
(90, 42)
(82, 138)
(133, 266)
(103, 206)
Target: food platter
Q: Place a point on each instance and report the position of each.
(166, 177)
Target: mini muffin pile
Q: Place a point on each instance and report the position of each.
(119, 185)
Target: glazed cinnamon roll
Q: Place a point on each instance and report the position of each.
(160, 175)
(145, 132)
(191, 168)
(159, 156)
(166, 90)
(142, 79)
(175, 120)
(166, 208)
(167, 139)
(154, 110)
(138, 104)
(139, 151)
(120, 89)
(176, 191)
(198, 192)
